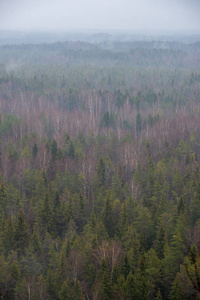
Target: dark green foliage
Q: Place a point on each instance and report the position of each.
(101, 171)
(70, 149)
(159, 296)
(138, 124)
(70, 291)
(8, 123)
(115, 274)
(187, 159)
(108, 120)
(108, 216)
(45, 214)
(125, 268)
(106, 290)
(54, 149)
(106, 287)
(130, 286)
(12, 152)
(34, 150)
(8, 235)
(56, 200)
(150, 181)
(3, 198)
(90, 274)
(180, 206)
(177, 289)
(120, 98)
(35, 242)
(21, 237)
(160, 243)
(81, 218)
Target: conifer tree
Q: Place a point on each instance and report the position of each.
(130, 286)
(107, 216)
(176, 292)
(159, 295)
(123, 220)
(8, 235)
(54, 149)
(35, 242)
(56, 199)
(106, 284)
(101, 171)
(45, 215)
(3, 198)
(21, 237)
(34, 151)
(160, 244)
(138, 124)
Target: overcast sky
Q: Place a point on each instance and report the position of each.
(100, 14)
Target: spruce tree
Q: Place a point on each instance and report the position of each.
(160, 244)
(138, 124)
(108, 217)
(3, 198)
(34, 151)
(101, 171)
(125, 269)
(130, 286)
(21, 234)
(106, 291)
(176, 292)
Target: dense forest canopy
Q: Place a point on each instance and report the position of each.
(99, 170)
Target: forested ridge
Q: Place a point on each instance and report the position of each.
(99, 171)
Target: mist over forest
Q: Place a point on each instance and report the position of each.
(100, 150)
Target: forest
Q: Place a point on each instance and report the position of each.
(100, 170)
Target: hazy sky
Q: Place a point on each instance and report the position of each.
(100, 14)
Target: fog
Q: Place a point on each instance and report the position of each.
(173, 15)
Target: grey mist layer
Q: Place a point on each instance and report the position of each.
(100, 15)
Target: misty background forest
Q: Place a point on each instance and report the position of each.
(99, 168)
